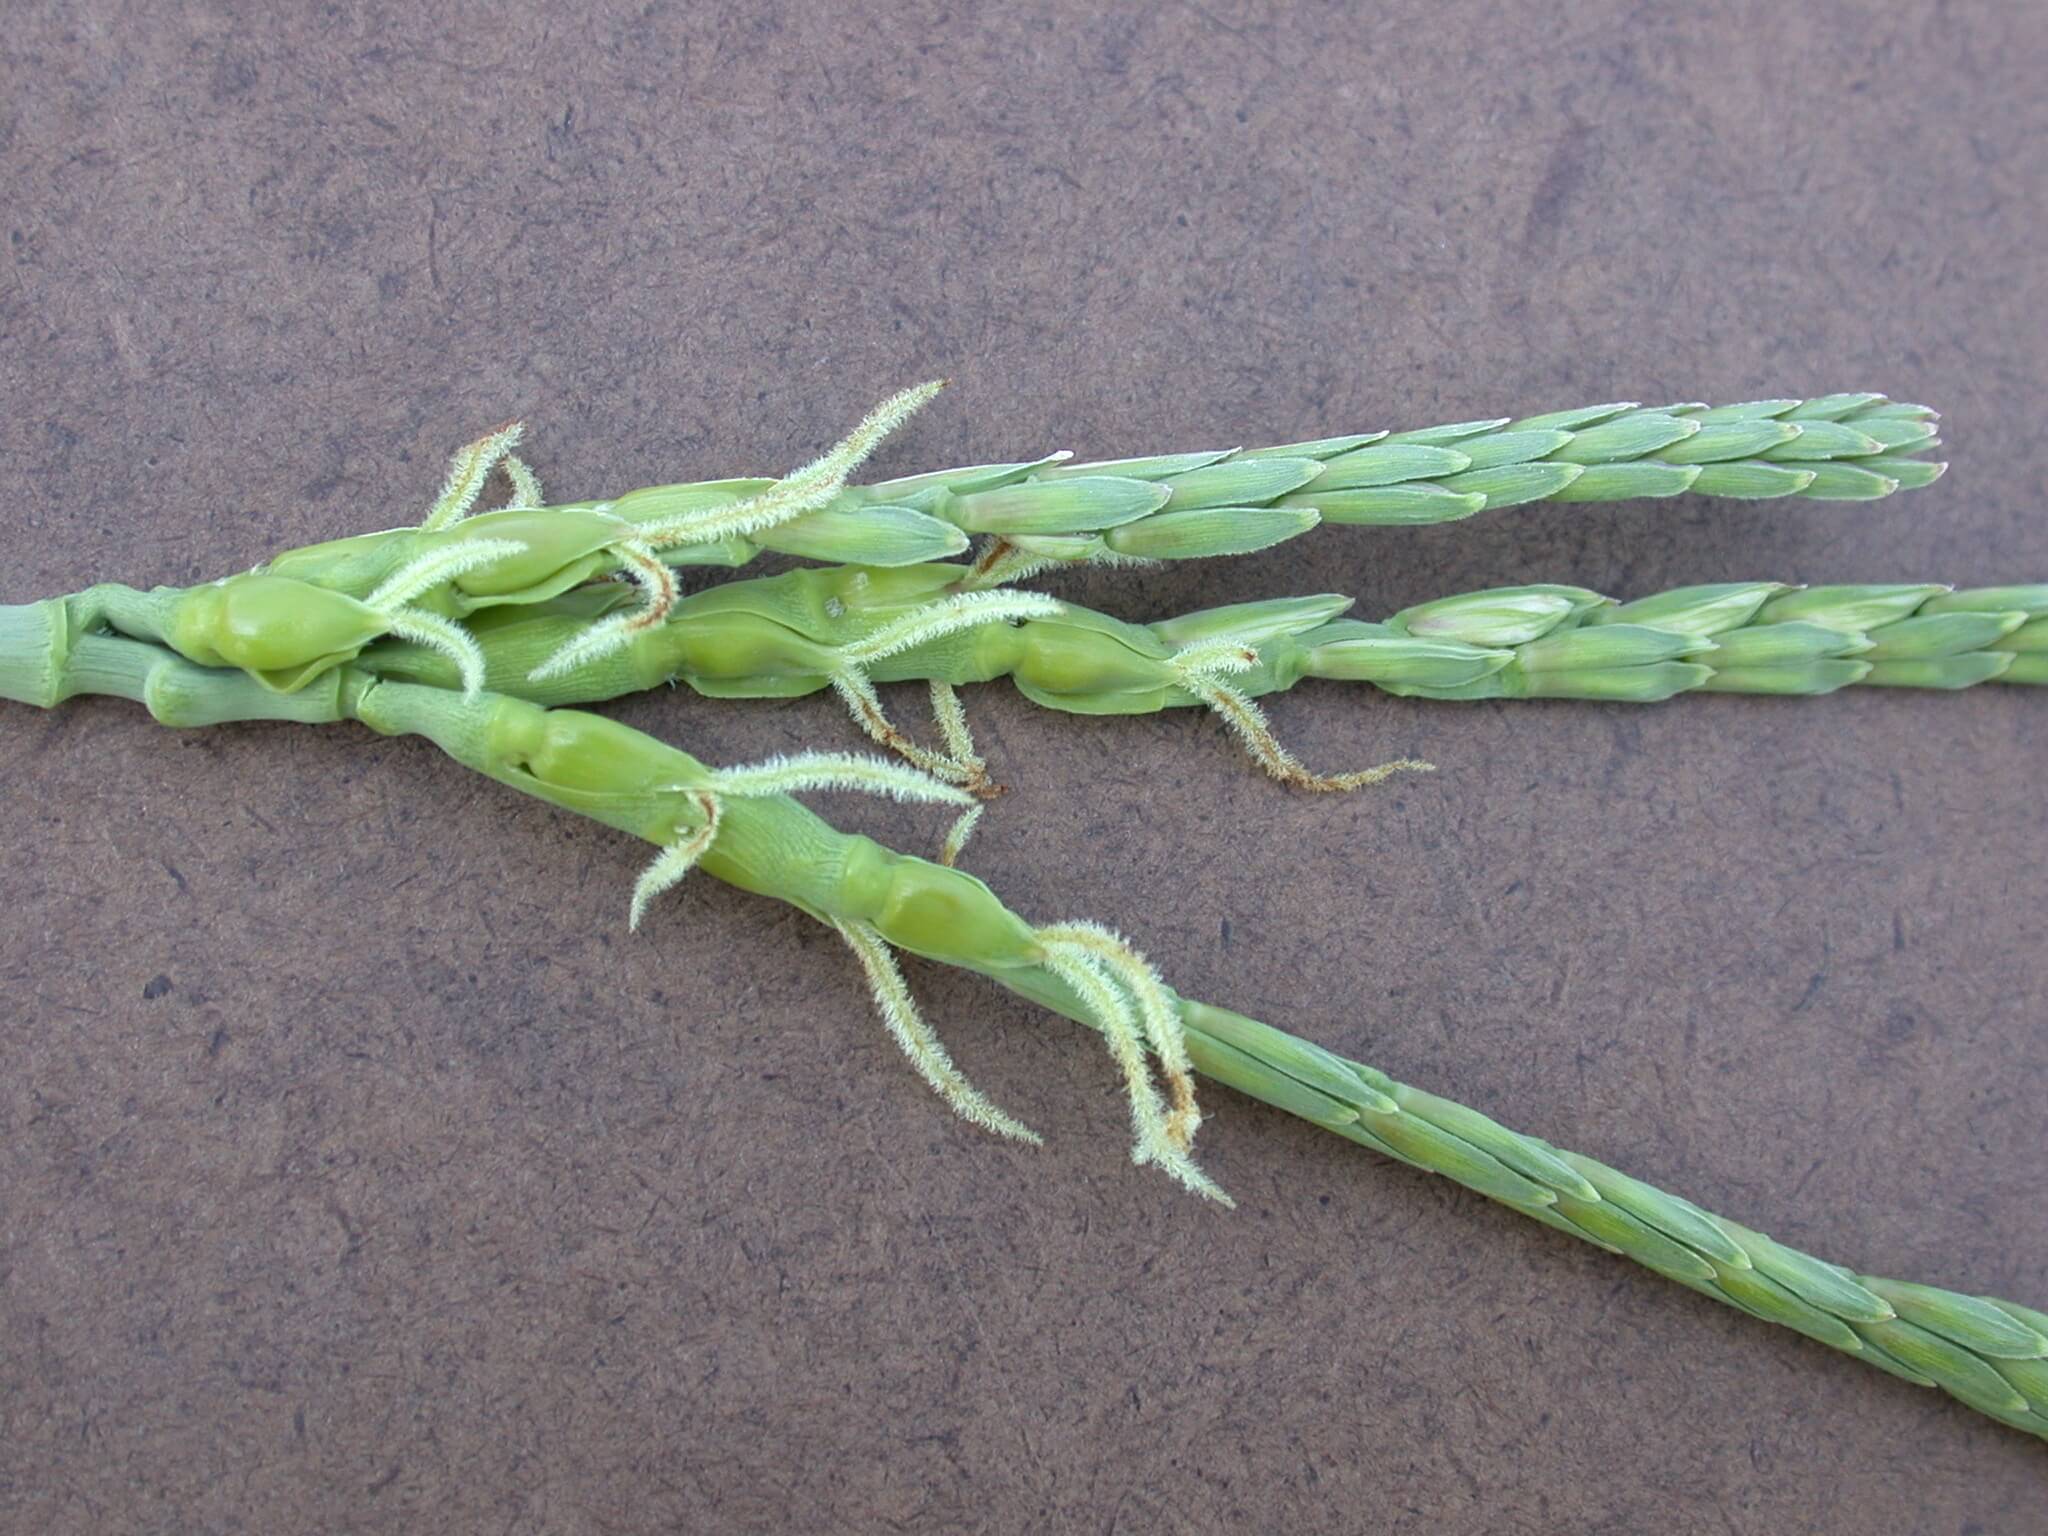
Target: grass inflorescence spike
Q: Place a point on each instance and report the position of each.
(475, 629)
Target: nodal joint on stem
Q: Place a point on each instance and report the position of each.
(796, 774)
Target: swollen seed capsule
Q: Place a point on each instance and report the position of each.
(1719, 441)
(1941, 634)
(1747, 410)
(943, 914)
(266, 623)
(1906, 474)
(581, 753)
(1581, 418)
(876, 535)
(1626, 482)
(1084, 504)
(1833, 407)
(1065, 659)
(2031, 638)
(1751, 480)
(1806, 679)
(1968, 1320)
(1209, 532)
(1624, 1233)
(1628, 437)
(1848, 482)
(1324, 448)
(1821, 1285)
(1511, 485)
(1409, 504)
(1939, 671)
(1496, 450)
(1239, 483)
(1651, 684)
(1402, 659)
(737, 644)
(1254, 623)
(556, 538)
(353, 565)
(1391, 464)
(1824, 440)
(1950, 1365)
(1761, 1296)
(1898, 434)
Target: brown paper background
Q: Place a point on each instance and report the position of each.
(360, 1171)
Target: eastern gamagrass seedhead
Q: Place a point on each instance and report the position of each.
(480, 630)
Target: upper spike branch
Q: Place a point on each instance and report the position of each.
(526, 491)
(951, 716)
(865, 705)
(1156, 1011)
(839, 770)
(871, 775)
(949, 615)
(447, 637)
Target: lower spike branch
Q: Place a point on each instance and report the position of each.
(1987, 1353)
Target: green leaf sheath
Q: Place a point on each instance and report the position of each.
(777, 637)
(1990, 1354)
(1044, 511)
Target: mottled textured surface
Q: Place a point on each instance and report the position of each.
(357, 1162)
